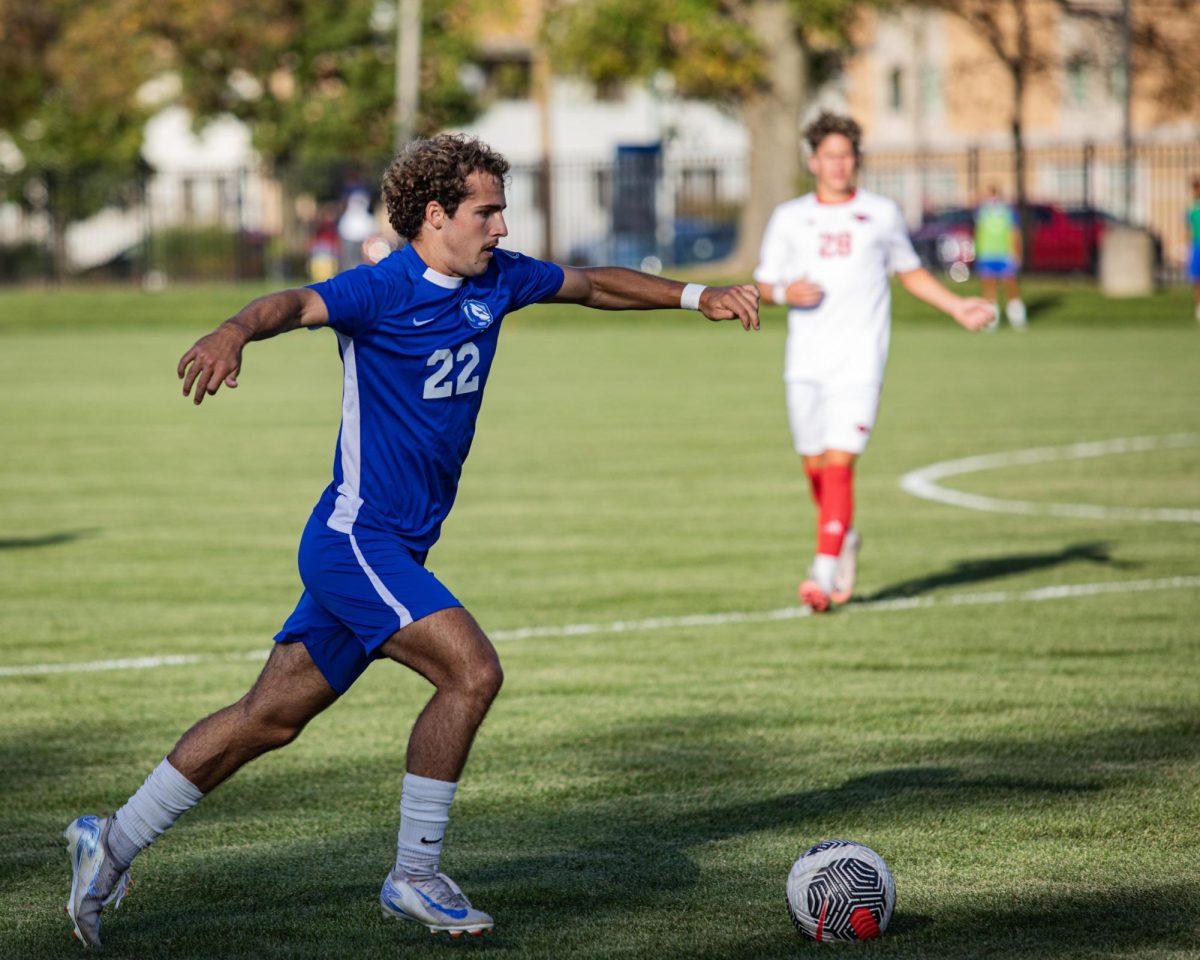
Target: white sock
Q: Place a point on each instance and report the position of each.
(1014, 310)
(158, 803)
(424, 813)
(823, 569)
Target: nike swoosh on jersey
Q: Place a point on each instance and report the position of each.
(421, 323)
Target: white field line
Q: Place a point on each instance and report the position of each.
(923, 482)
(668, 623)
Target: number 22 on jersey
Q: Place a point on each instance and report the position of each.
(439, 385)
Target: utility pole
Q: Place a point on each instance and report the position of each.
(542, 92)
(408, 69)
(1127, 106)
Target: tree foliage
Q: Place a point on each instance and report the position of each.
(710, 47)
(69, 81)
(314, 80)
(751, 56)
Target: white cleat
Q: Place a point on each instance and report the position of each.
(437, 903)
(1015, 313)
(86, 846)
(847, 569)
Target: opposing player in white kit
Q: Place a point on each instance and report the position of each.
(417, 334)
(828, 255)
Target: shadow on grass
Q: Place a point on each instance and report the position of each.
(46, 539)
(1041, 303)
(993, 568)
(604, 873)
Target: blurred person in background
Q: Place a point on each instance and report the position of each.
(1194, 231)
(998, 256)
(324, 246)
(355, 227)
(417, 334)
(827, 256)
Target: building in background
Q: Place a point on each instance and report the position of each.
(639, 176)
(937, 105)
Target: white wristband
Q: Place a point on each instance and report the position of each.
(690, 298)
(779, 293)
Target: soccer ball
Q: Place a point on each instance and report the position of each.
(840, 890)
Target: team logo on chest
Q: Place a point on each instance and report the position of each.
(478, 314)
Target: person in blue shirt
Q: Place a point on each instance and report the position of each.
(417, 334)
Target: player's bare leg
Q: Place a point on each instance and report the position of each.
(450, 650)
(989, 290)
(288, 693)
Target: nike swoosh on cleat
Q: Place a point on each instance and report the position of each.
(460, 914)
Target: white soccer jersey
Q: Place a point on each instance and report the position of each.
(848, 249)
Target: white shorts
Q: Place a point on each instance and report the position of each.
(831, 417)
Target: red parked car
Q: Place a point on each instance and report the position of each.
(1064, 240)
(1061, 239)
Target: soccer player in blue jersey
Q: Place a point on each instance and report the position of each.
(417, 334)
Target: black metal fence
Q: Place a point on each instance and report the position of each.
(643, 209)
(1084, 177)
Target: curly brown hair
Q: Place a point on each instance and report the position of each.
(435, 169)
(830, 123)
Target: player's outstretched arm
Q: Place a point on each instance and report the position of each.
(616, 288)
(974, 313)
(215, 359)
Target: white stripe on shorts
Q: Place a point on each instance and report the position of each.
(385, 594)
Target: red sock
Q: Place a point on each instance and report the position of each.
(814, 482)
(837, 508)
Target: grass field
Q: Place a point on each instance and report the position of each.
(1027, 760)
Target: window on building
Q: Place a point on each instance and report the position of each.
(1116, 81)
(509, 79)
(931, 90)
(896, 89)
(1078, 79)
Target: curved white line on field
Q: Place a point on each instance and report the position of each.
(923, 482)
(1061, 592)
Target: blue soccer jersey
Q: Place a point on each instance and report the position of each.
(416, 347)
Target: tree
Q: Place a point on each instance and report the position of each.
(751, 56)
(1164, 35)
(74, 116)
(313, 79)
(1007, 29)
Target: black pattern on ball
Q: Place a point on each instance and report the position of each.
(840, 890)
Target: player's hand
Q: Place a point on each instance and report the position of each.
(974, 313)
(728, 303)
(803, 293)
(213, 360)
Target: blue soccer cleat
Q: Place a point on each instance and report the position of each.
(437, 902)
(93, 887)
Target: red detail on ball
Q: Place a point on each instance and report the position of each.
(821, 921)
(863, 922)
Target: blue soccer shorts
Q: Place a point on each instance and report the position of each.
(359, 589)
(998, 268)
(1194, 265)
